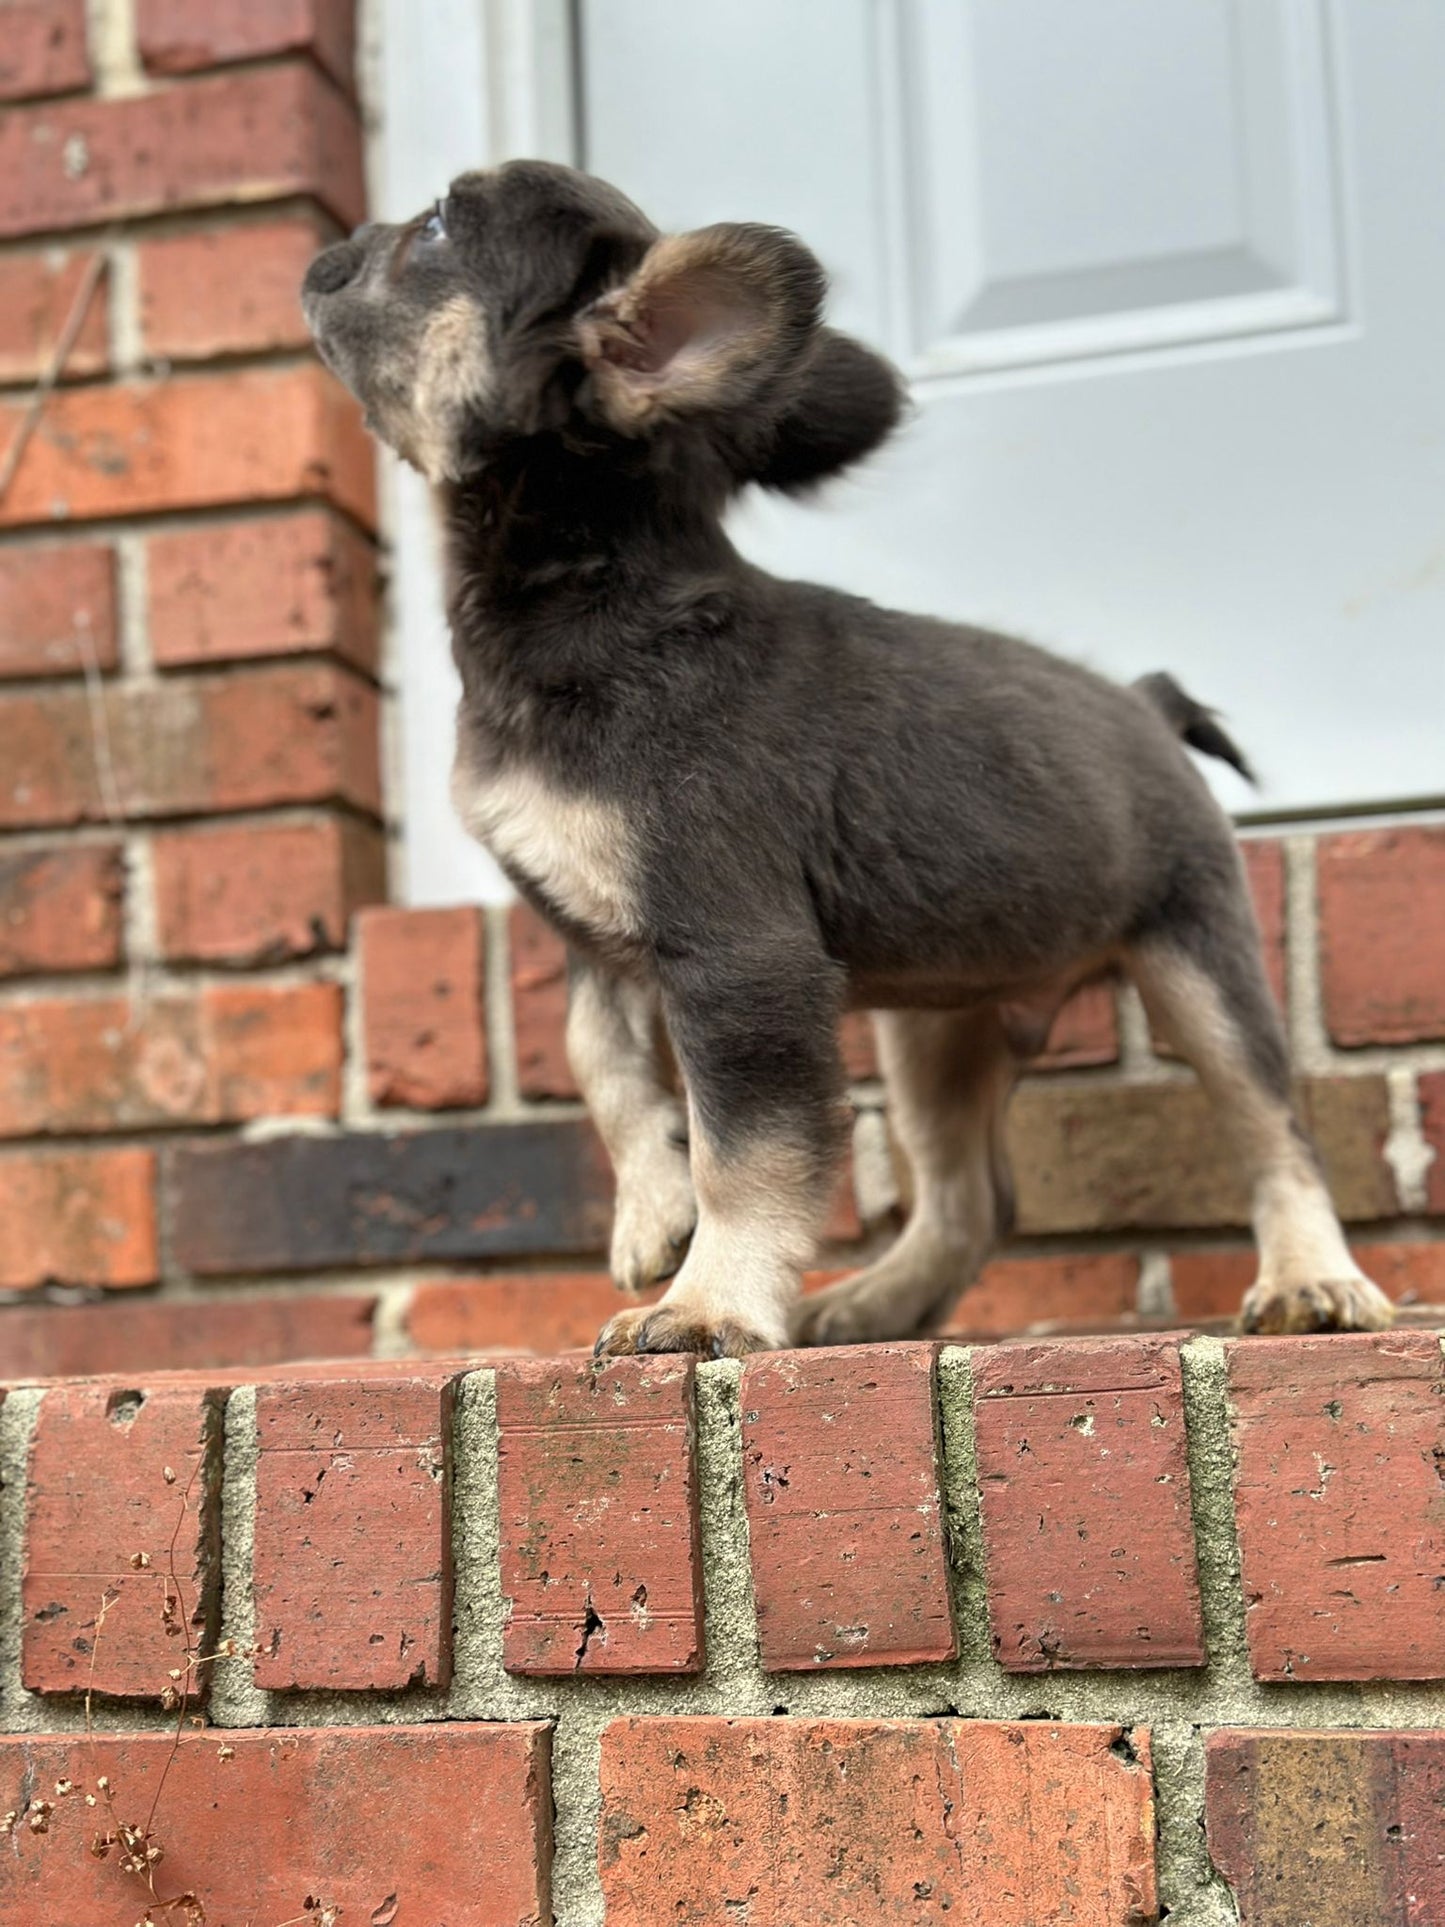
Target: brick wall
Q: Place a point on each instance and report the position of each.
(1085, 1631)
(240, 1122)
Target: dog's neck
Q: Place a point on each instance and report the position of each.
(565, 566)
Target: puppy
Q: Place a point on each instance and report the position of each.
(749, 805)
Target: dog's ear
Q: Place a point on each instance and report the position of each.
(842, 402)
(708, 322)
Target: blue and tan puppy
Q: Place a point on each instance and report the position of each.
(750, 804)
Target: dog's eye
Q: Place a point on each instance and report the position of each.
(434, 228)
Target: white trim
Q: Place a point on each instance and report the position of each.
(461, 84)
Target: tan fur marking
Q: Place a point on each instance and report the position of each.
(615, 1047)
(574, 849)
(453, 373)
(1305, 1265)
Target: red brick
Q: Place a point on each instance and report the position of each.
(285, 585)
(539, 1005)
(177, 36)
(61, 909)
(77, 1218)
(154, 1335)
(1087, 1530)
(1340, 1505)
(1264, 869)
(423, 1005)
(353, 1571)
(36, 295)
(190, 746)
(838, 1822)
(840, 1469)
(1013, 1294)
(56, 605)
(228, 1053)
(43, 50)
(262, 135)
(1330, 1829)
(855, 1035)
(1432, 1118)
(544, 1312)
(454, 1820)
(1092, 1157)
(264, 893)
(1382, 933)
(1210, 1284)
(1086, 1031)
(101, 1517)
(597, 1476)
(253, 435)
(228, 290)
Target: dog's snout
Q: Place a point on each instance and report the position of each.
(333, 270)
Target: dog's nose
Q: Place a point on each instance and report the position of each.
(331, 271)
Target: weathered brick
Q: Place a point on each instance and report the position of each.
(254, 435)
(1211, 1284)
(841, 1477)
(278, 585)
(1092, 1157)
(423, 1006)
(837, 1822)
(1087, 1530)
(1432, 1118)
(1382, 933)
(1340, 1505)
(1013, 1294)
(452, 1820)
(1329, 1829)
(228, 290)
(262, 135)
(304, 1203)
(546, 1312)
(43, 49)
(105, 1522)
(154, 1335)
(57, 607)
(597, 1477)
(191, 746)
(61, 909)
(36, 295)
(353, 1569)
(77, 1218)
(177, 36)
(224, 1054)
(539, 1005)
(1086, 1031)
(266, 892)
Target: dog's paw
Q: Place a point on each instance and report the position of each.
(676, 1328)
(1328, 1305)
(843, 1314)
(651, 1227)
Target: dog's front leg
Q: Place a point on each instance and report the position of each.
(756, 1040)
(619, 1056)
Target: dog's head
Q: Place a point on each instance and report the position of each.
(536, 299)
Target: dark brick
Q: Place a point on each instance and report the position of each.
(303, 1203)
(1329, 1829)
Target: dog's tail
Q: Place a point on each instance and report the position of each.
(1192, 723)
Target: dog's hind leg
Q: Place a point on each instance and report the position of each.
(617, 1047)
(949, 1075)
(1204, 986)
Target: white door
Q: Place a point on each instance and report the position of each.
(1168, 278)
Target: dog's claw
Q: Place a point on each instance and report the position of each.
(1325, 1305)
(666, 1328)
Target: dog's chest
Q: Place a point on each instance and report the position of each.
(574, 850)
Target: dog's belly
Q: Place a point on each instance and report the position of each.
(574, 852)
